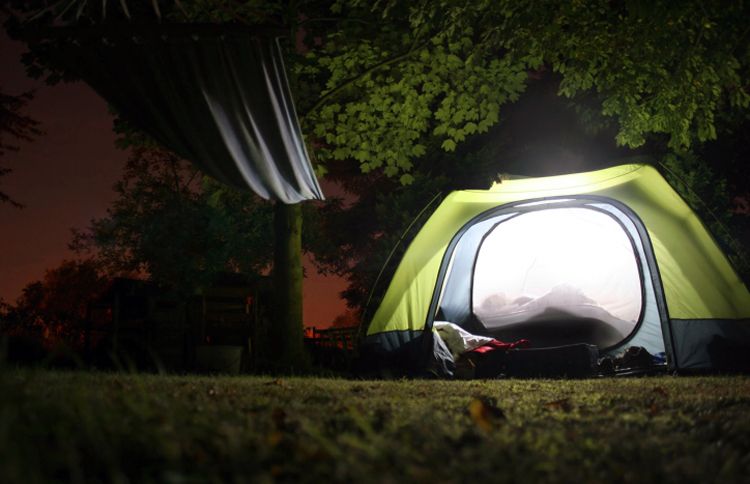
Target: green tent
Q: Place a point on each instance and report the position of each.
(613, 258)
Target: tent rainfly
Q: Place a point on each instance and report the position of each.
(612, 258)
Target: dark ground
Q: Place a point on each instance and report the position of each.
(99, 427)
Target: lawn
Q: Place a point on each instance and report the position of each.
(83, 427)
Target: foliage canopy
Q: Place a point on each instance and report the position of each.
(411, 74)
(381, 82)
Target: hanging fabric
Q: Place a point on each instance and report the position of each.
(220, 100)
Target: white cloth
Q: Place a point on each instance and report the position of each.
(458, 339)
(221, 101)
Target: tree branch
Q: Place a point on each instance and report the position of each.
(192, 177)
(352, 80)
(333, 19)
(6, 199)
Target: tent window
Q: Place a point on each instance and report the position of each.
(558, 276)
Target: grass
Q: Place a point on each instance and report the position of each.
(88, 427)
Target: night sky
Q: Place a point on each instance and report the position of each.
(65, 178)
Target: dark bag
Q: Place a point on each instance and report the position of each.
(569, 361)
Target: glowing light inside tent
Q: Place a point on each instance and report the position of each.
(572, 261)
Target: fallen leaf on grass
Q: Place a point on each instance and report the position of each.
(278, 382)
(562, 404)
(660, 394)
(653, 409)
(661, 391)
(484, 414)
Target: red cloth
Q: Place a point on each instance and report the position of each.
(496, 344)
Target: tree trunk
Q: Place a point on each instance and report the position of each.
(286, 329)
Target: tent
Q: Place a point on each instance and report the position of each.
(613, 258)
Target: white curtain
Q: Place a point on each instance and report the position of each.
(221, 101)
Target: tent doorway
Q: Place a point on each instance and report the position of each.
(556, 271)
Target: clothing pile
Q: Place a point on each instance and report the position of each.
(635, 360)
(475, 356)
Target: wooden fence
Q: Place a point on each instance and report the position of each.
(341, 338)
